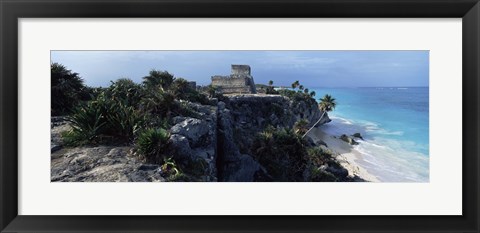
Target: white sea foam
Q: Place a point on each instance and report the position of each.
(388, 159)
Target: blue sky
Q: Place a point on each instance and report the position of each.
(311, 68)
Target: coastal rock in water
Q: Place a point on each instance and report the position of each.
(348, 139)
(357, 135)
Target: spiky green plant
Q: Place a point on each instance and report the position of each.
(87, 123)
(282, 153)
(152, 144)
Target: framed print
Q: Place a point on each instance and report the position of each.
(318, 116)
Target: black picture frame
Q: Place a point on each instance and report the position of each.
(11, 11)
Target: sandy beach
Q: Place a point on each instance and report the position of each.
(345, 154)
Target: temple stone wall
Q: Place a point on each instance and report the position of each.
(239, 82)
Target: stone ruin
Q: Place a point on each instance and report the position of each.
(240, 81)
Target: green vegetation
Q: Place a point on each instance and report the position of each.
(124, 112)
(282, 153)
(287, 157)
(301, 126)
(140, 114)
(271, 89)
(157, 78)
(152, 144)
(67, 89)
(327, 104)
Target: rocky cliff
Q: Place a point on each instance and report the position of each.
(241, 117)
(213, 143)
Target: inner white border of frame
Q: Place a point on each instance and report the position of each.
(441, 196)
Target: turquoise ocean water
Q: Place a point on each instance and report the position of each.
(394, 122)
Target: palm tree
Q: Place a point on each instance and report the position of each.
(305, 91)
(180, 87)
(270, 83)
(313, 93)
(67, 89)
(301, 126)
(158, 78)
(300, 87)
(327, 104)
(295, 84)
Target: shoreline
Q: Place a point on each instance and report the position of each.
(344, 153)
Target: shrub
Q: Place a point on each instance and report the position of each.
(152, 144)
(104, 120)
(87, 122)
(276, 109)
(282, 153)
(66, 90)
(122, 121)
(301, 127)
(159, 102)
(127, 92)
(157, 78)
(317, 156)
(318, 175)
(271, 91)
(297, 96)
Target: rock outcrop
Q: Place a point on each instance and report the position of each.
(57, 126)
(348, 139)
(241, 117)
(101, 164)
(213, 143)
(193, 141)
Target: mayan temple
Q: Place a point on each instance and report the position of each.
(240, 81)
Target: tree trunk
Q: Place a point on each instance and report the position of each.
(321, 117)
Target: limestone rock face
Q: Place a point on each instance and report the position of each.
(101, 164)
(215, 141)
(193, 141)
(252, 114)
(193, 129)
(233, 166)
(57, 127)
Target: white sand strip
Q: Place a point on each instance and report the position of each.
(344, 153)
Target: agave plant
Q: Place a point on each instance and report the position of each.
(87, 123)
(152, 143)
(126, 91)
(122, 120)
